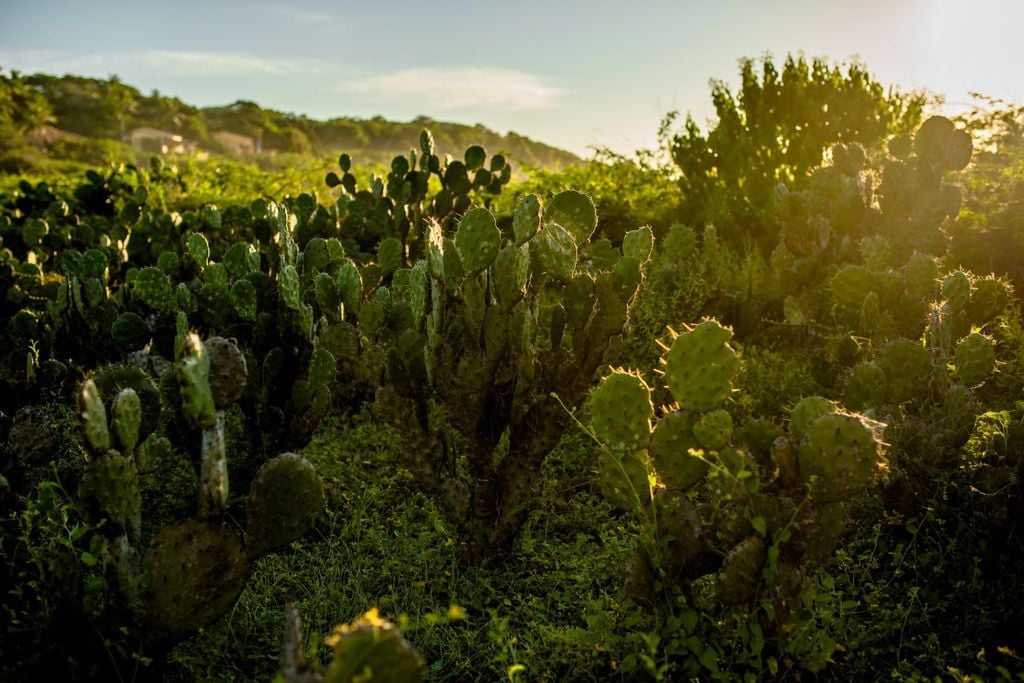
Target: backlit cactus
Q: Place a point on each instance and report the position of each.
(700, 366)
(621, 412)
(840, 455)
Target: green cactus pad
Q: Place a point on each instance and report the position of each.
(527, 218)
(389, 255)
(244, 300)
(418, 293)
(990, 297)
(850, 285)
(870, 311)
(555, 252)
(236, 259)
(127, 418)
(349, 283)
(511, 272)
(94, 418)
(575, 212)
(922, 275)
(638, 244)
(975, 359)
(621, 411)
(907, 366)
(110, 490)
(193, 371)
(866, 387)
(714, 430)
(315, 257)
(738, 579)
(671, 442)
(843, 451)
(227, 374)
(806, 411)
(152, 287)
(288, 285)
(475, 157)
(477, 240)
(956, 290)
(286, 497)
(196, 572)
(198, 249)
(129, 332)
(700, 367)
(372, 649)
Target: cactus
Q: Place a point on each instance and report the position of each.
(527, 218)
(907, 368)
(129, 332)
(806, 411)
(575, 212)
(621, 411)
(371, 648)
(714, 430)
(989, 299)
(850, 285)
(94, 418)
(940, 144)
(477, 240)
(700, 366)
(511, 273)
(740, 574)
(671, 443)
(956, 290)
(286, 497)
(866, 386)
(127, 419)
(556, 252)
(843, 452)
(195, 571)
(153, 288)
(975, 359)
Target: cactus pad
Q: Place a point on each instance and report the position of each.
(806, 411)
(866, 387)
(638, 244)
(371, 648)
(477, 240)
(127, 409)
(844, 452)
(575, 212)
(196, 571)
(714, 430)
(285, 499)
(511, 272)
(850, 285)
(700, 366)
(975, 359)
(956, 290)
(671, 442)
(94, 418)
(228, 374)
(621, 411)
(110, 490)
(907, 366)
(740, 574)
(556, 252)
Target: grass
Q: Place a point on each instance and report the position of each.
(550, 613)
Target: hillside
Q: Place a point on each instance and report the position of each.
(111, 110)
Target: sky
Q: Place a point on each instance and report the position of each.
(572, 73)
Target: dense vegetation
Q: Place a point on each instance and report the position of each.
(536, 429)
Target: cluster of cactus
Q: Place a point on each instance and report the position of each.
(489, 326)
(720, 498)
(398, 206)
(191, 571)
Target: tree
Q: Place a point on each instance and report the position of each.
(22, 108)
(776, 129)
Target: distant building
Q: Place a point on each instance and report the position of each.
(159, 141)
(236, 144)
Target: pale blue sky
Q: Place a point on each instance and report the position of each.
(570, 73)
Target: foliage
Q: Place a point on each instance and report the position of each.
(776, 128)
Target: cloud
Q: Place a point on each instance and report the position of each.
(219, 63)
(318, 21)
(446, 89)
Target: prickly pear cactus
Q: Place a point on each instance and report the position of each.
(806, 411)
(527, 218)
(477, 240)
(700, 366)
(740, 574)
(195, 570)
(621, 411)
(956, 290)
(975, 359)
(841, 456)
(94, 418)
(127, 420)
(866, 386)
(575, 212)
(371, 648)
(284, 501)
(714, 430)
(227, 374)
(671, 443)
(850, 285)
